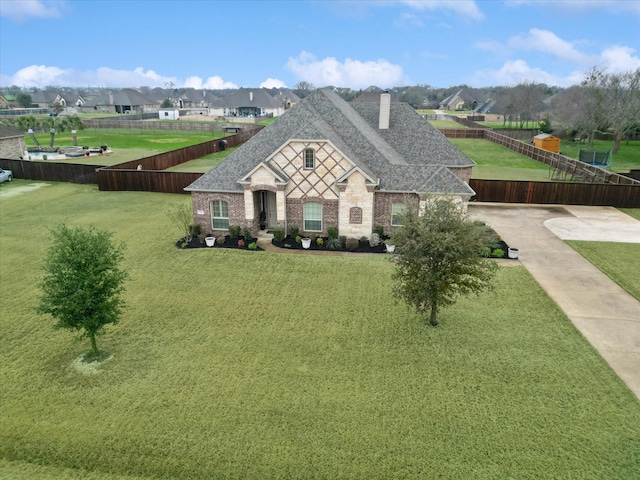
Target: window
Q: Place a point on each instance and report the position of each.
(309, 158)
(312, 217)
(397, 210)
(220, 214)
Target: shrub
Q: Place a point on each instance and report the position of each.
(379, 229)
(343, 240)
(240, 243)
(294, 230)
(498, 253)
(247, 234)
(364, 240)
(234, 231)
(278, 234)
(485, 252)
(334, 243)
(352, 244)
(253, 246)
(374, 240)
(195, 230)
(332, 232)
(319, 241)
(220, 240)
(298, 239)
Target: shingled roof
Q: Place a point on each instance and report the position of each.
(409, 156)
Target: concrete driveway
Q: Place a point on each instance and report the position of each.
(607, 316)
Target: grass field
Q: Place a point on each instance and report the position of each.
(203, 164)
(499, 163)
(619, 261)
(627, 158)
(230, 364)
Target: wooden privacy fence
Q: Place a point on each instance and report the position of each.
(507, 191)
(145, 180)
(50, 171)
(146, 174)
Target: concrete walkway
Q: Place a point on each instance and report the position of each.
(607, 316)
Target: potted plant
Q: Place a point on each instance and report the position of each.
(513, 252)
(306, 242)
(390, 248)
(210, 240)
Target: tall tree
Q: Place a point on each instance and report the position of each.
(438, 257)
(24, 99)
(83, 281)
(303, 89)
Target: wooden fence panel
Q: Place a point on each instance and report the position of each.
(505, 191)
(145, 180)
(51, 171)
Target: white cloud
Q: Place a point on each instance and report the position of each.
(464, 8)
(619, 59)
(21, 10)
(350, 73)
(518, 71)
(273, 83)
(43, 76)
(547, 42)
(214, 83)
(492, 46)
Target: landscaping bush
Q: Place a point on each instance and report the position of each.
(234, 231)
(195, 230)
(320, 241)
(498, 253)
(252, 246)
(334, 243)
(352, 244)
(332, 232)
(241, 243)
(221, 240)
(298, 239)
(247, 234)
(294, 230)
(278, 234)
(379, 229)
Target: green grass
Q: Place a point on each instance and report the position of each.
(152, 140)
(230, 364)
(499, 163)
(446, 124)
(633, 212)
(203, 164)
(619, 261)
(512, 125)
(627, 158)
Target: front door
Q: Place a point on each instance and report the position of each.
(272, 210)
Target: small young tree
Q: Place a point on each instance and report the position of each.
(438, 257)
(182, 217)
(83, 281)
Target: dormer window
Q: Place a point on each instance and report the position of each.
(309, 159)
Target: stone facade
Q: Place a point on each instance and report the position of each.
(356, 207)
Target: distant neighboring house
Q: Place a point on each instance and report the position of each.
(11, 143)
(461, 100)
(327, 163)
(247, 102)
(4, 103)
(126, 100)
(286, 98)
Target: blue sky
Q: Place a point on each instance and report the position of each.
(220, 44)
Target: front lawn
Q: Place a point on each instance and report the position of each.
(496, 162)
(231, 364)
(619, 261)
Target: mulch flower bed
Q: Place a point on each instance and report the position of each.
(229, 242)
(363, 247)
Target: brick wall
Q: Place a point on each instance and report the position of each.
(382, 207)
(329, 213)
(201, 203)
